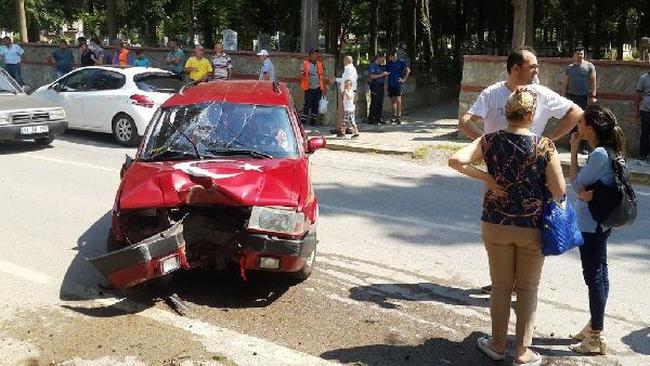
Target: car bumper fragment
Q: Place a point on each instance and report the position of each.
(291, 253)
(144, 260)
(12, 132)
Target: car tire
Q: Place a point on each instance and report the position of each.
(44, 140)
(308, 268)
(125, 132)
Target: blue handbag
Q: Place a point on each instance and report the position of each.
(560, 230)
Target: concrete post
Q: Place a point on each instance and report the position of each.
(309, 26)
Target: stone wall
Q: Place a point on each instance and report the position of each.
(616, 82)
(37, 72)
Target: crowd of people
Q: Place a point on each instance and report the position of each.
(522, 169)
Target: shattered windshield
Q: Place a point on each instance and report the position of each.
(220, 129)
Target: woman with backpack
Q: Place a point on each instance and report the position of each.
(599, 128)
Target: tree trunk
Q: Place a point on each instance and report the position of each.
(426, 31)
(621, 32)
(530, 23)
(459, 37)
(410, 29)
(599, 32)
(22, 21)
(374, 16)
(190, 22)
(519, 23)
(111, 19)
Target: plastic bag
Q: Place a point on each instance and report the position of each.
(322, 105)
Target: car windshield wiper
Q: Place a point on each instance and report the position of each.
(196, 149)
(163, 90)
(257, 154)
(172, 154)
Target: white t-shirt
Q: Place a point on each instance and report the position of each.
(349, 73)
(491, 106)
(348, 101)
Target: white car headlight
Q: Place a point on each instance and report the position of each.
(277, 220)
(58, 113)
(5, 118)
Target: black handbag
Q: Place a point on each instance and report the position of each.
(614, 206)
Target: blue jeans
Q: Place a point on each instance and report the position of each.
(14, 71)
(593, 254)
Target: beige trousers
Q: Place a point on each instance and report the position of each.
(515, 256)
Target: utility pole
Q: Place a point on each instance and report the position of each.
(309, 26)
(22, 20)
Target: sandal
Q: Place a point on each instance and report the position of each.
(483, 344)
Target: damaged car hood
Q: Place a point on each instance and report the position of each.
(236, 182)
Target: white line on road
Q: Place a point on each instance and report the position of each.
(24, 273)
(69, 162)
(240, 348)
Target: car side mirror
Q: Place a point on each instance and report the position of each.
(56, 87)
(315, 143)
(27, 89)
(127, 163)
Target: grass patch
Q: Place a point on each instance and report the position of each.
(421, 152)
(448, 148)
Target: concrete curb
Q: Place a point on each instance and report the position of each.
(635, 177)
(333, 145)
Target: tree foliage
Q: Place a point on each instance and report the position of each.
(429, 30)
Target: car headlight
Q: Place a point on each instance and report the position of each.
(57, 113)
(5, 118)
(277, 220)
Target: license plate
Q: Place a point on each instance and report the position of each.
(170, 264)
(30, 130)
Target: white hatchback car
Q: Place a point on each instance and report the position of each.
(113, 99)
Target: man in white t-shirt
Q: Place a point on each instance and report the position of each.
(490, 105)
(522, 68)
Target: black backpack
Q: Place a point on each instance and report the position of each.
(614, 206)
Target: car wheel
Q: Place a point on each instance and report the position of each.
(307, 269)
(44, 141)
(125, 131)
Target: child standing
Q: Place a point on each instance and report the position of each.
(141, 60)
(349, 108)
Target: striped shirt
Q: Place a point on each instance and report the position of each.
(221, 64)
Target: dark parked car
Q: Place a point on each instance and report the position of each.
(25, 117)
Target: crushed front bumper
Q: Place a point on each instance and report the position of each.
(145, 260)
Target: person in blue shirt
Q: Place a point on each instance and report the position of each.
(62, 59)
(141, 60)
(599, 128)
(377, 80)
(398, 73)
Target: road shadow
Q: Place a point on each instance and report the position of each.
(439, 210)
(19, 147)
(435, 351)
(98, 139)
(221, 289)
(381, 294)
(639, 341)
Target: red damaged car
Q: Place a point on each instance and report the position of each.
(221, 176)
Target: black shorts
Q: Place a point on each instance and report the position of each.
(395, 91)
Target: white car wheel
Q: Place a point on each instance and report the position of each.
(125, 131)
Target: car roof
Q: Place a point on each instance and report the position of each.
(127, 70)
(233, 91)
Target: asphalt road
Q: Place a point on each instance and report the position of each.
(399, 264)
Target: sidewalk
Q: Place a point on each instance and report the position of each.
(426, 130)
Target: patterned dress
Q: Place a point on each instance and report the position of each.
(518, 163)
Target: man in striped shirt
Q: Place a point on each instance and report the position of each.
(221, 63)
